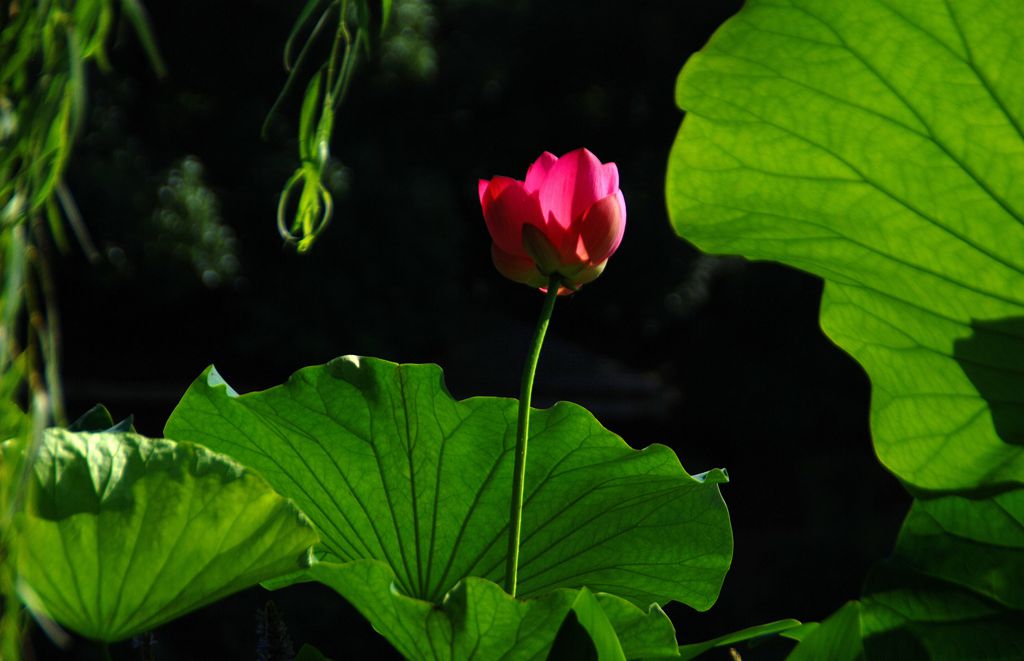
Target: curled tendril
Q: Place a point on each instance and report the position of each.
(313, 211)
(324, 93)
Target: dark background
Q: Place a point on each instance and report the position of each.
(719, 358)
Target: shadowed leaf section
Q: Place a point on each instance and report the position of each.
(951, 589)
(479, 620)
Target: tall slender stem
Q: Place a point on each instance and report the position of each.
(522, 435)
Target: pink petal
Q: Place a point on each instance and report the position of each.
(538, 172)
(481, 188)
(611, 177)
(496, 185)
(572, 250)
(517, 269)
(575, 182)
(602, 227)
(507, 206)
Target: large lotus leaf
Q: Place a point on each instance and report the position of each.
(123, 533)
(390, 467)
(479, 620)
(951, 590)
(879, 144)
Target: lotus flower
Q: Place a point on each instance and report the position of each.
(567, 218)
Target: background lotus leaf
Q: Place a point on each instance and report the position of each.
(122, 533)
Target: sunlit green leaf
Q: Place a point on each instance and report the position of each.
(390, 467)
(123, 533)
(880, 146)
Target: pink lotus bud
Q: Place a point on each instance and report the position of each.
(567, 218)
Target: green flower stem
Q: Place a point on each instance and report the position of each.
(522, 434)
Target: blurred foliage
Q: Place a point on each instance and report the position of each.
(407, 49)
(163, 220)
(188, 227)
(45, 46)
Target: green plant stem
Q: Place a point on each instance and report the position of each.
(332, 67)
(522, 434)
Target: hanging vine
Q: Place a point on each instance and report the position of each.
(45, 47)
(305, 205)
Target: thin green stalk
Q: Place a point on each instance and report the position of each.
(341, 33)
(522, 435)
